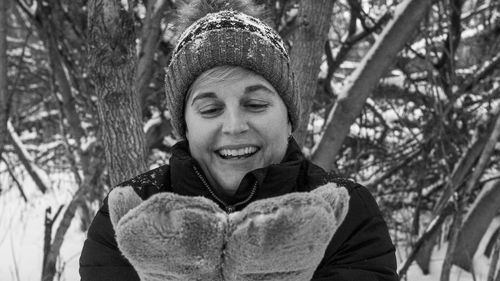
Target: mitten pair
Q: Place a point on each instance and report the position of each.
(173, 237)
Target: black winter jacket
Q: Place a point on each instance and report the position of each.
(360, 250)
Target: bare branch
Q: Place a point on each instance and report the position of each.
(453, 241)
(29, 9)
(352, 39)
(373, 183)
(484, 71)
(494, 260)
(49, 266)
(485, 157)
(478, 10)
(3, 74)
(428, 234)
(482, 211)
(14, 178)
(461, 169)
(69, 105)
(35, 172)
(16, 266)
(478, 219)
(150, 38)
(450, 45)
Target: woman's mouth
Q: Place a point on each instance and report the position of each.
(240, 153)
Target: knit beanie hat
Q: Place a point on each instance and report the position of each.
(222, 32)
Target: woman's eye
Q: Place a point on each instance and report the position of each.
(257, 106)
(209, 111)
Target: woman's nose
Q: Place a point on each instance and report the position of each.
(234, 123)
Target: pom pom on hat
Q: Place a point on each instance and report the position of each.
(191, 11)
(223, 32)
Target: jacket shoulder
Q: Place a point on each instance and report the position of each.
(100, 258)
(361, 249)
(314, 176)
(150, 182)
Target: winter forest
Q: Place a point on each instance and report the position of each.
(401, 95)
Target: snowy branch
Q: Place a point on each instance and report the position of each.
(39, 177)
(360, 84)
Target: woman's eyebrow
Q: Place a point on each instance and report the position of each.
(207, 95)
(257, 87)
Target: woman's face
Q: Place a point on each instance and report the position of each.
(234, 125)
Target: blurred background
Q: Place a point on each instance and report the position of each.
(401, 96)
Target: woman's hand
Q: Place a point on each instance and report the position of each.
(168, 236)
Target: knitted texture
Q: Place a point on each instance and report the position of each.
(174, 237)
(229, 38)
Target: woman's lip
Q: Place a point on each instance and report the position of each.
(236, 146)
(232, 160)
(237, 158)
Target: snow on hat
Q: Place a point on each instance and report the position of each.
(234, 36)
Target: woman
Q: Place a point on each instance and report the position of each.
(238, 200)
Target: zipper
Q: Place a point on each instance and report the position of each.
(228, 208)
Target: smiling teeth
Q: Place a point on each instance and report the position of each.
(237, 152)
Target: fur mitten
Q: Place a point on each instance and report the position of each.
(285, 237)
(168, 236)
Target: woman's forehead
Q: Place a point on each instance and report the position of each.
(229, 76)
(225, 73)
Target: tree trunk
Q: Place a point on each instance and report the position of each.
(478, 219)
(112, 65)
(3, 74)
(151, 35)
(308, 41)
(361, 82)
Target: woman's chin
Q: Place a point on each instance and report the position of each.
(230, 184)
(228, 173)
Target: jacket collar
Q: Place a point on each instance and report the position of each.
(273, 180)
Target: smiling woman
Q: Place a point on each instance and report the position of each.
(238, 201)
(228, 113)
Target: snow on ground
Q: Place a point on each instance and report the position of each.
(481, 263)
(22, 231)
(415, 274)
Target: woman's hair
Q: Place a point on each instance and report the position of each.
(218, 73)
